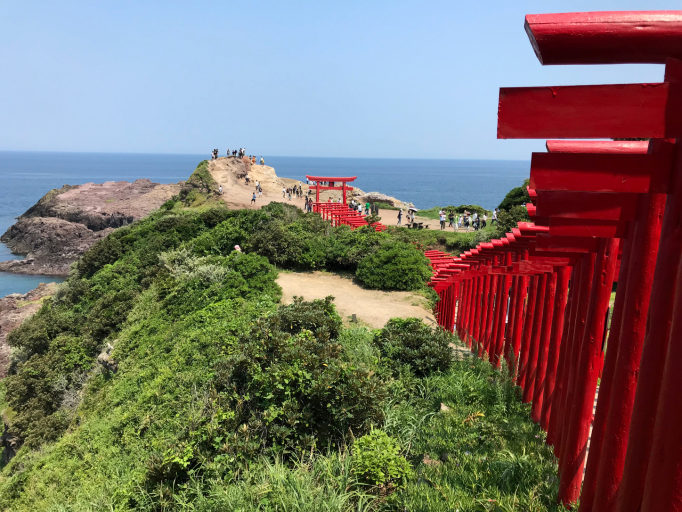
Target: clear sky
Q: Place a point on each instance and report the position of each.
(293, 78)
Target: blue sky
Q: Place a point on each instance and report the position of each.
(354, 78)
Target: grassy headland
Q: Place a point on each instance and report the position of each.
(164, 375)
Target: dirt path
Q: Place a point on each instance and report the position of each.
(372, 307)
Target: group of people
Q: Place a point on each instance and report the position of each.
(237, 153)
(466, 220)
(295, 191)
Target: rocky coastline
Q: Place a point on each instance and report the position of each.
(66, 222)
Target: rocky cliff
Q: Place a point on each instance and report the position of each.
(66, 222)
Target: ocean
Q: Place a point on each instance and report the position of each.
(26, 176)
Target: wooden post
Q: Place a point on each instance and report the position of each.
(531, 365)
(555, 424)
(645, 418)
(606, 386)
(587, 372)
(527, 331)
(512, 315)
(577, 329)
(560, 306)
(543, 349)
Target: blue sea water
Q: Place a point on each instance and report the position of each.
(26, 176)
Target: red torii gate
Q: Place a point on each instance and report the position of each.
(586, 196)
(318, 187)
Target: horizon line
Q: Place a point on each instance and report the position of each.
(264, 155)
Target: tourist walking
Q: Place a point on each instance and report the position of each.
(253, 198)
(485, 218)
(442, 220)
(451, 218)
(400, 217)
(494, 221)
(220, 190)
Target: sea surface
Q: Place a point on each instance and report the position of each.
(26, 176)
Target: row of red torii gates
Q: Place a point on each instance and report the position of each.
(603, 212)
(339, 213)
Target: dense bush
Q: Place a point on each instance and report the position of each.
(509, 219)
(377, 461)
(516, 197)
(409, 341)
(290, 388)
(394, 266)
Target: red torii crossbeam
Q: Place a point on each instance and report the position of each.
(318, 187)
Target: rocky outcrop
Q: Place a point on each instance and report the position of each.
(66, 222)
(377, 197)
(16, 308)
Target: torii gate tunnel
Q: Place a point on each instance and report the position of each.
(603, 212)
(323, 179)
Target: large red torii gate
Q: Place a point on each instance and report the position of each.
(318, 187)
(586, 196)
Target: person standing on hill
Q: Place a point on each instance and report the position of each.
(253, 198)
(494, 221)
(442, 220)
(451, 218)
(484, 223)
(400, 216)
(262, 161)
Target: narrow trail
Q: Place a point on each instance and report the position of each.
(372, 307)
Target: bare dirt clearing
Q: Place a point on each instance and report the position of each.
(372, 307)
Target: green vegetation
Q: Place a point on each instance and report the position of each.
(516, 197)
(164, 376)
(394, 266)
(432, 213)
(385, 206)
(408, 341)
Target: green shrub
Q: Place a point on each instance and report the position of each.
(377, 461)
(509, 219)
(394, 266)
(516, 197)
(409, 341)
(292, 390)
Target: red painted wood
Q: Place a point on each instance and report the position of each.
(543, 347)
(645, 453)
(495, 324)
(504, 285)
(587, 205)
(597, 146)
(629, 349)
(606, 386)
(556, 424)
(520, 313)
(589, 112)
(347, 179)
(587, 227)
(578, 327)
(587, 373)
(663, 485)
(560, 302)
(565, 243)
(616, 37)
(488, 331)
(508, 349)
(590, 172)
(530, 367)
(477, 308)
(527, 331)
